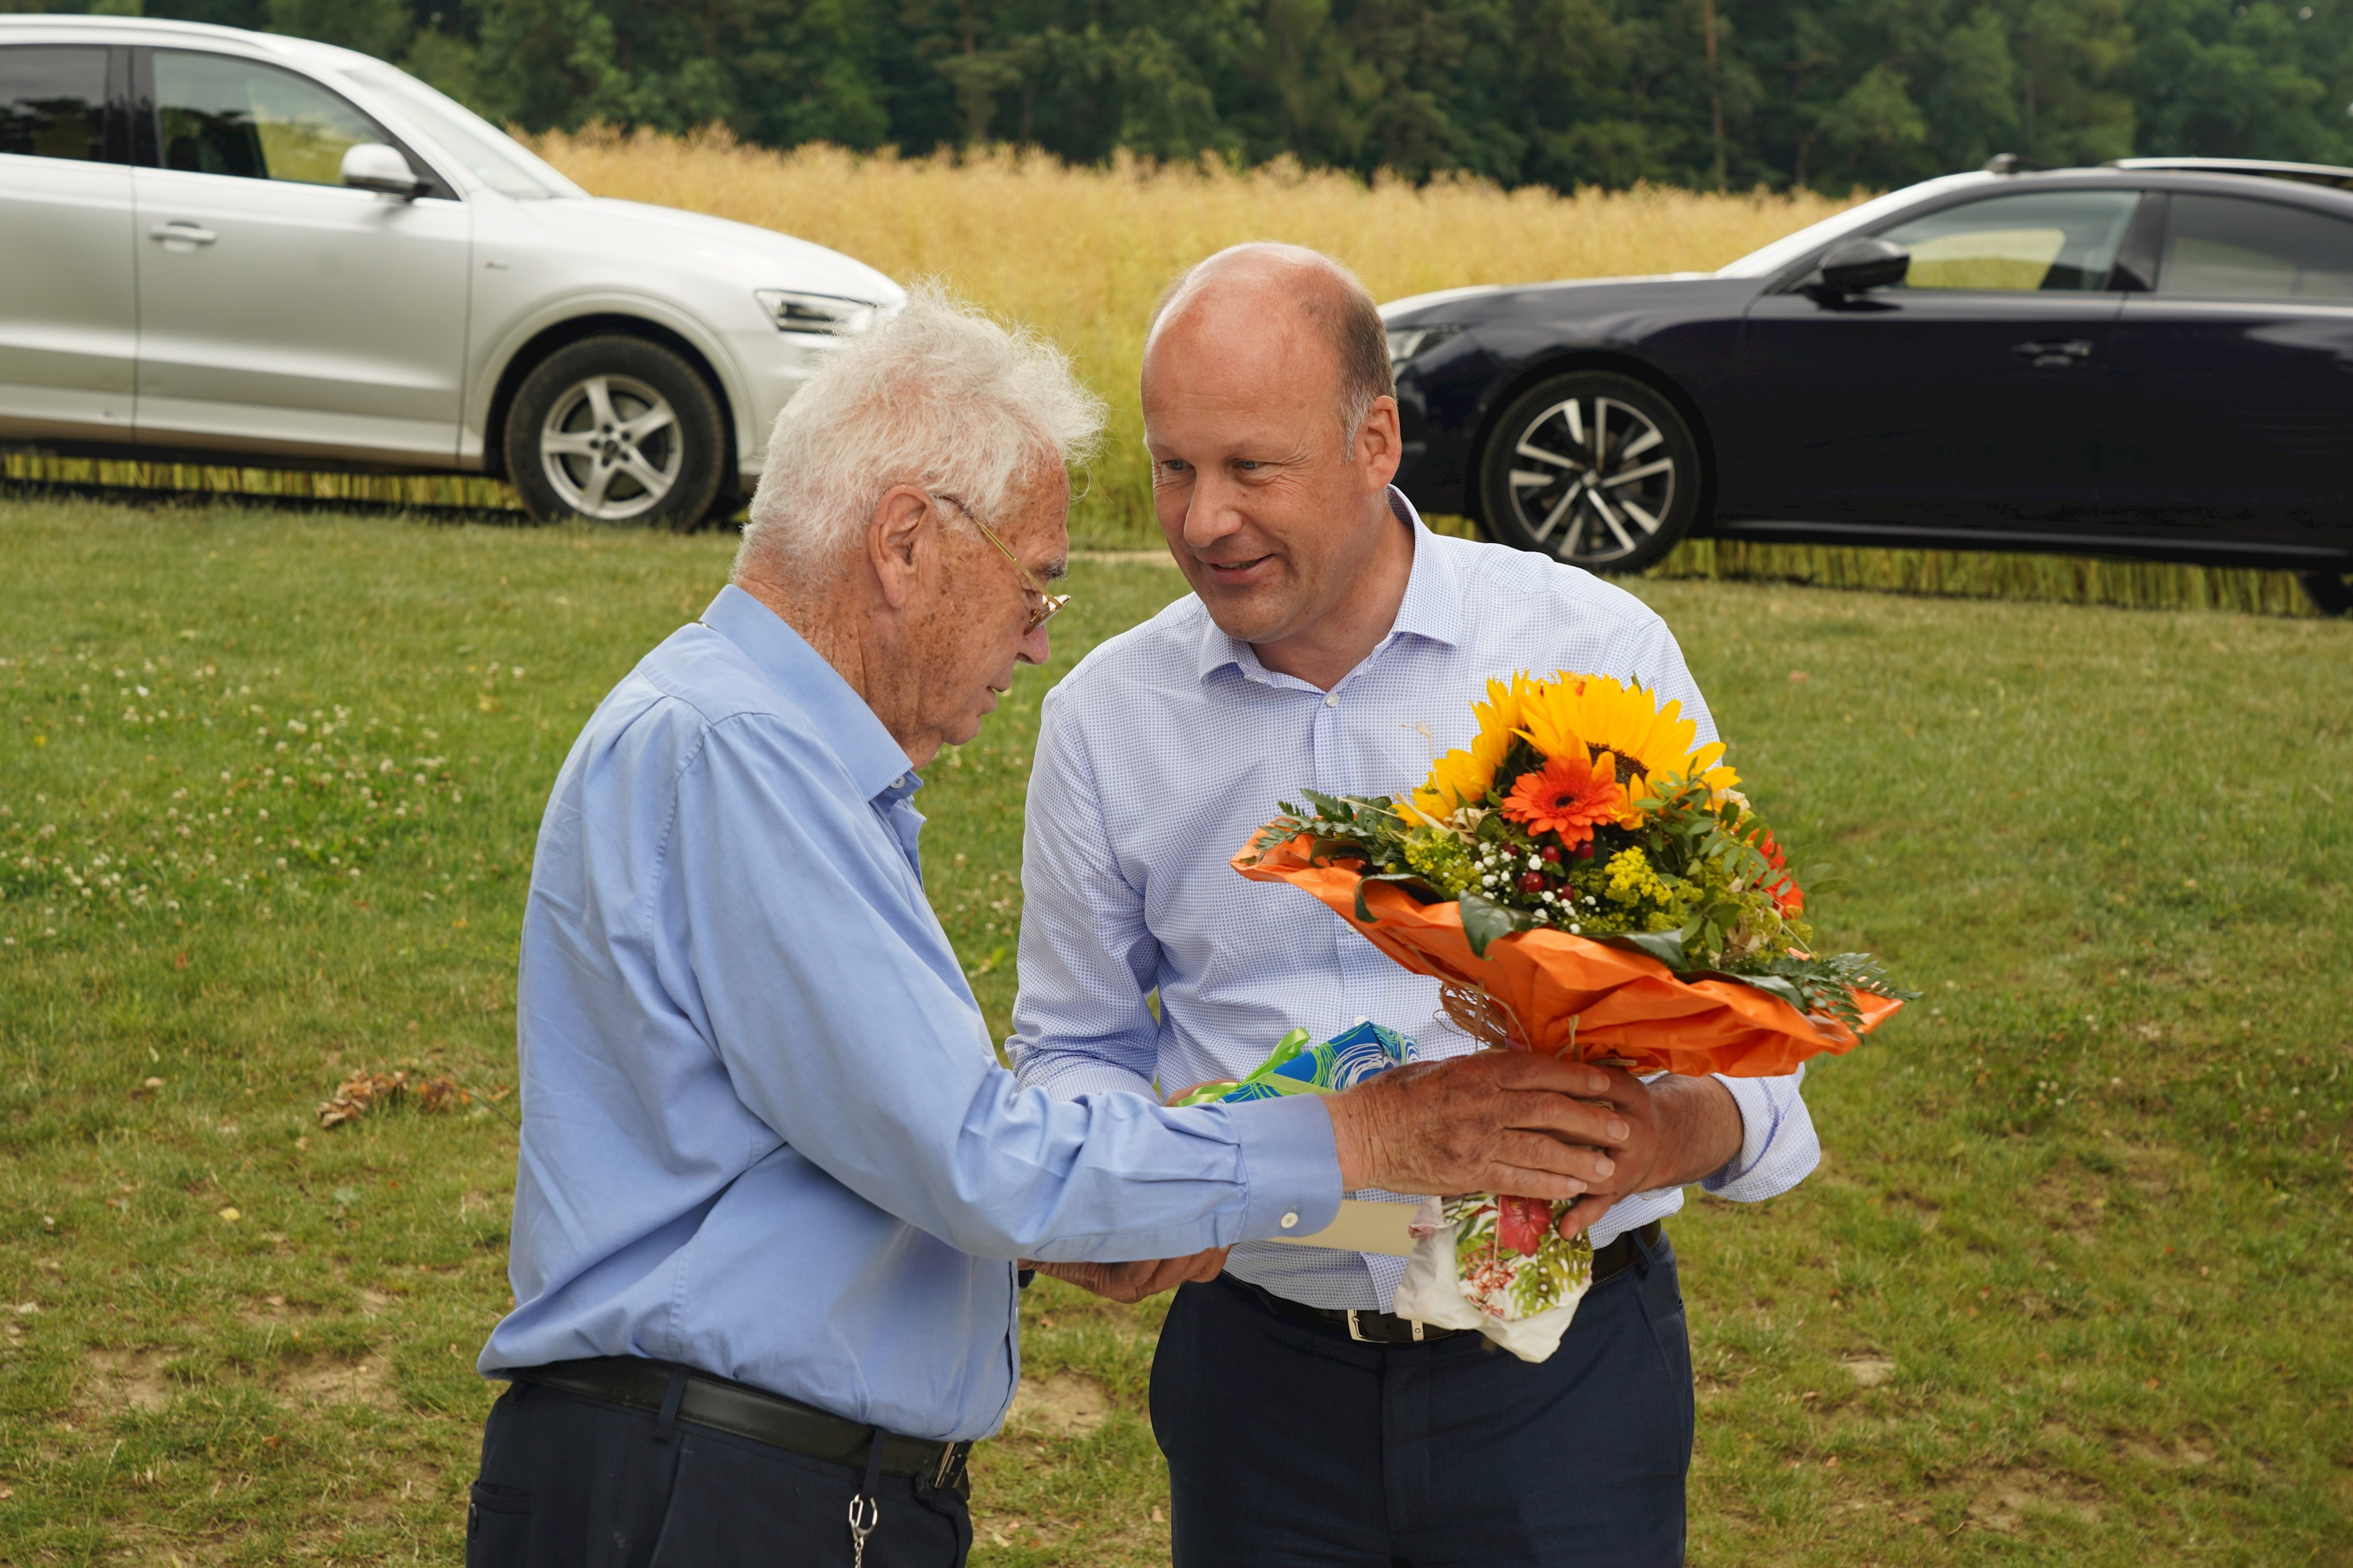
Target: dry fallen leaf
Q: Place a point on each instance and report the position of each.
(365, 1091)
(231, 1215)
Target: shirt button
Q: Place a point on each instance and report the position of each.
(898, 782)
(1291, 1220)
(1331, 699)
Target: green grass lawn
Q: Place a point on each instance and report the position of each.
(2070, 1288)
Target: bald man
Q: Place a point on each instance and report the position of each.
(1331, 641)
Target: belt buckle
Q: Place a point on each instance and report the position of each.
(1359, 1334)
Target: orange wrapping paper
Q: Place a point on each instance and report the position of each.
(1624, 1005)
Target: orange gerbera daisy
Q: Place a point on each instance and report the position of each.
(1568, 795)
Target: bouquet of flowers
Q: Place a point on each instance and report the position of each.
(1581, 880)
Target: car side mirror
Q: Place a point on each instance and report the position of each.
(1863, 264)
(373, 166)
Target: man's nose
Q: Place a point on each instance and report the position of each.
(1210, 514)
(1034, 648)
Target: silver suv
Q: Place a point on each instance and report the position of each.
(220, 241)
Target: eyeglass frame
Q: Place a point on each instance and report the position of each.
(1050, 604)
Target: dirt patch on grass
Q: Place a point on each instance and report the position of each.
(1066, 1405)
(2012, 1499)
(125, 1380)
(2184, 1454)
(1869, 1371)
(338, 1379)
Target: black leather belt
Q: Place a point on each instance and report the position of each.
(1387, 1329)
(764, 1418)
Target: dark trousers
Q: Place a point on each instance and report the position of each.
(1290, 1444)
(572, 1483)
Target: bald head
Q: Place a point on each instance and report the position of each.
(1285, 533)
(1247, 289)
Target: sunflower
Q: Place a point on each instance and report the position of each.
(1591, 715)
(1463, 777)
(1568, 796)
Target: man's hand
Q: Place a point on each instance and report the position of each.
(1664, 1133)
(1132, 1282)
(1499, 1121)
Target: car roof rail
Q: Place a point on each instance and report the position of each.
(2012, 164)
(2327, 175)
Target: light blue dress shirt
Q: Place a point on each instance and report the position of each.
(1169, 744)
(763, 1130)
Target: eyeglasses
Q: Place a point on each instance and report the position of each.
(1048, 604)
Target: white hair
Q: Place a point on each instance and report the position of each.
(938, 396)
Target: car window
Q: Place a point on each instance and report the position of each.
(53, 102)
(216, 115)
(494, 157)
(2224, 247)
(2030, 240)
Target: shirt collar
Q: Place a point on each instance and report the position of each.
(1431, 609)
(874, 760)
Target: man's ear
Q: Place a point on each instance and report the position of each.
(1379, 444)
(899, 535)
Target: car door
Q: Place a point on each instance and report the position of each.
(1965, 397)
(279, 309)
(69, 333)
(2237, 371)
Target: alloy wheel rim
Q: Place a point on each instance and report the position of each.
(1590, 482)
(610, 447)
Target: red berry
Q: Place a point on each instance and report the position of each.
(1551, 853)
(1532, 882)
(1585, 851)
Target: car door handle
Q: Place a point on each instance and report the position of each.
(2056, 354)
(181, 232)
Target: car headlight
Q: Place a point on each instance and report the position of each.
(829, 313)
(1407, 341)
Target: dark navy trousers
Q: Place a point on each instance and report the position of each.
(1291, 1445)
(572, 1483)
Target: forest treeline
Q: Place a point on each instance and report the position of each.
(1699, 93)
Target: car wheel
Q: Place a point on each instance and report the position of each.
(619, 430)
(2332, 591)
(1591, 467)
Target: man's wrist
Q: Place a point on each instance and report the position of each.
(1700, 1127)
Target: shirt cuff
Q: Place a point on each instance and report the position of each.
(1778, 1147)
(1290, 1165)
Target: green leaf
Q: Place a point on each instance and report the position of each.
(1485, 920)
(1666, 946)
(1411, 881)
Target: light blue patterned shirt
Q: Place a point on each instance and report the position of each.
(763, 1129)
(1166, 746)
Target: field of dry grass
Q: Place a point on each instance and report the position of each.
(1081, 253)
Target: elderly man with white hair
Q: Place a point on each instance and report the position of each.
(774, 1186)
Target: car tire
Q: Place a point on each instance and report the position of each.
(616, 429)
(2330, 591)
(1591, 467)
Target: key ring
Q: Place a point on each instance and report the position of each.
(865, 1513)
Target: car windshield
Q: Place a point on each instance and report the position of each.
(496, 159)
(1790, 247)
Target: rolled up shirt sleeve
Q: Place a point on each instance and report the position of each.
(1777, 1146)
(816, 971)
